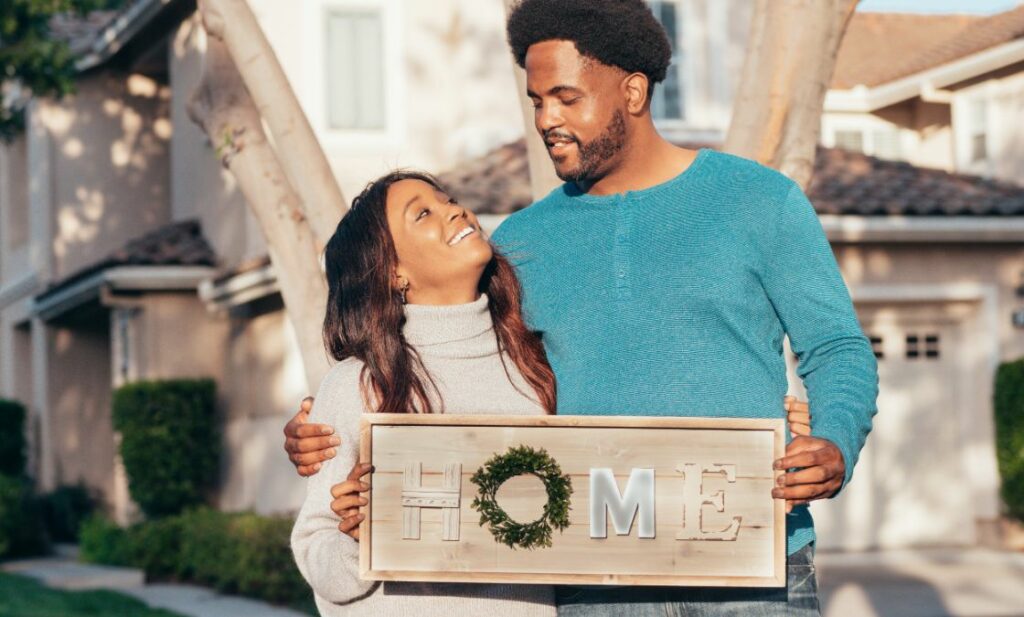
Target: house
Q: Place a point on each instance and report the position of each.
(127, 251)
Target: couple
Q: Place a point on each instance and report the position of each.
(657, 280)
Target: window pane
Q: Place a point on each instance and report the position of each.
(668, 102)
(355, 70)
(887, 144)
(850, 140)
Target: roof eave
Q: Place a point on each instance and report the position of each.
(867, 99)
(111, 39)
(917, 229)
(58, 301)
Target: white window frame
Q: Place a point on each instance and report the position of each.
(867, 125)
(707, 98)
(315, 50)
(964, 129)
(679, 48)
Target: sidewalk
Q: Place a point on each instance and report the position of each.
(62, 572)
(922, 583)
(919, 583)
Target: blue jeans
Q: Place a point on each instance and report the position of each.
(798, 599)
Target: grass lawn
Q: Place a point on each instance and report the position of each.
(24, 597)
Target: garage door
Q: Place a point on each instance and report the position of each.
(904, 489)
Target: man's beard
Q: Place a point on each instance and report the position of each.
(593, 155)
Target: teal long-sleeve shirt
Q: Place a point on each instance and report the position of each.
(674, 301)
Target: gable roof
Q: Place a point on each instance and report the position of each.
(176, 244)
(882, 47)
(845, 182)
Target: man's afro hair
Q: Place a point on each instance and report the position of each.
(620, 33)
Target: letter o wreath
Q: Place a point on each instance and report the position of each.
(517, 461)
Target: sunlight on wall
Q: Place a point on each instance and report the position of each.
(73, 148)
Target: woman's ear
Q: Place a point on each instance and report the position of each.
(635, 89)
(401, 284)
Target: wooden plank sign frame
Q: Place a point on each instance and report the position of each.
(655, 501)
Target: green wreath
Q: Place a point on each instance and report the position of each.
(517, 461)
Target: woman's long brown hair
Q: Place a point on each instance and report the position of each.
(365, 315)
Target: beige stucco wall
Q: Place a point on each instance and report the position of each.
(451, 60)
(998, 266)
(109, 166)
(14, 210)
(174, 337)
(79, 380)
(264, 384)
(200, 186)
(252, 355)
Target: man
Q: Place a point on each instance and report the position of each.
(663, 281)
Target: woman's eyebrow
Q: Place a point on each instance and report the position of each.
(408, 204)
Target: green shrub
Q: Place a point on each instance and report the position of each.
(102, 541)
(21, 529)
(208, 551)
(1009, 411)
(12, 438)
(265, 563)
(64, 511)
(169, 442)
(241, 553)
(155, 547)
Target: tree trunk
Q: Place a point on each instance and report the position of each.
(776, 118)
(542, 172)
(221, 105)
(304, 163)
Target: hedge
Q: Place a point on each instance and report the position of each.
(240, 553)
(64, 509)
(1009, 411)
(170, 442)
(21, 526)
(12, 438)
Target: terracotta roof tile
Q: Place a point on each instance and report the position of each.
(844, 183)
(878, 45)
(178, 244)
(883, 47)
(497, 182)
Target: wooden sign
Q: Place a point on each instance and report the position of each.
(573, 500)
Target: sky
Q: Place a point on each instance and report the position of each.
(983, 7)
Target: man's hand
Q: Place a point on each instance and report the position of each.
(820, 470)
(308, 445)
(799, 415)
(347, 500)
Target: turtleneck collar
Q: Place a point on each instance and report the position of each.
(458, 324)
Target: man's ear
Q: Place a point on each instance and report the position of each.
(635, 88)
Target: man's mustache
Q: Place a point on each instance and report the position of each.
(552, 135)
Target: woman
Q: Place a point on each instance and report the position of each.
(422, 316)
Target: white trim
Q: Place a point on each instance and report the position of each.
(39, 148)
(111, 39)
(17, 289)
(137, 278)
(980, 457)
(850, 228)
(864, 99)
(47, 456)
(239, 289)
(314, 51)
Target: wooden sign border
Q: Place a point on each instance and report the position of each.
(777, 426)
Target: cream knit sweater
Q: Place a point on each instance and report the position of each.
(459, 350)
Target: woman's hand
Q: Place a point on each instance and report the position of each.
(347, 499)
(799, 415)
(309, 445)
